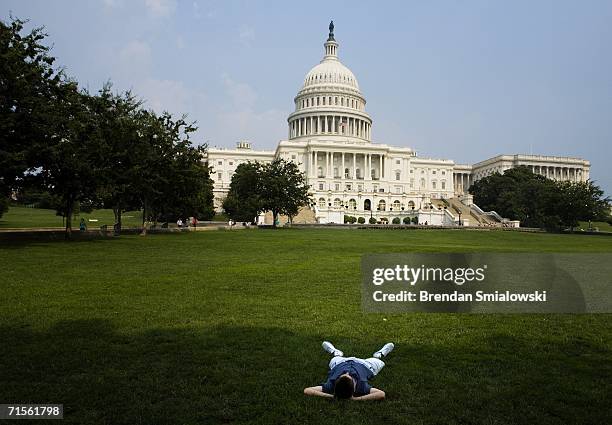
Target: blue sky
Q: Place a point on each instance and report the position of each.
(463, 80)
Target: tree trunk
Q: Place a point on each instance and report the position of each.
(144, 225)
(117, 227)
(69, 206)
(274, 217)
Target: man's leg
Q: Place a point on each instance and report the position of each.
(337, 354)
(329, 347)
(374, 364)
(384, 351)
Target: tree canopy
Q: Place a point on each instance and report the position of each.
(536, 201)
(278, 186)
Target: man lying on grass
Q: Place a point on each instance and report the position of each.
(348, 376)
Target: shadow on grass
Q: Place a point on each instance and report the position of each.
(232, 374)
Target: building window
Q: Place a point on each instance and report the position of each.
(320, 172)
(411, 183)
(373, 173)
(443, 183)
(337, 187)
(293, 156)
(443, 173)
(433, 172)
(358, 173)
(219, 162)
(433, 184)
(375, 188)
(398, 162)
(398, 189)
(336, 175)
(321, 186)
(322, 203)
(396, 206)
(349, 187)
(422, 183)
(346, 173)
(382, 205)
(337, 203)
(411, 171)
(397, 175)
(219, 176)
(352, 204)
(410, 205)
(360, 188)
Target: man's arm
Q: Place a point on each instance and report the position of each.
(375, 394)
(318, 391)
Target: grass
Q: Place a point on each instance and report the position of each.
(225, 327)
(21, 217)
(602, 226)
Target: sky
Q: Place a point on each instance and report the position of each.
(460, 80)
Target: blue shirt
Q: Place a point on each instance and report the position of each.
(358, 372)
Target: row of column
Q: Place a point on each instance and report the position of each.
(559, 173)
(348, 160)
(462, 182)
(330, 124)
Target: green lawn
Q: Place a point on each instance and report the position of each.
(226, 326)
(19, 217)
(602, 226)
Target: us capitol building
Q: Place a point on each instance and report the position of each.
(330, 138)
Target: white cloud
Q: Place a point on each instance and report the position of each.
(242, 95)
(242, 120)
(134, 59)
(164, 95)
(246, 35)
(161, 8)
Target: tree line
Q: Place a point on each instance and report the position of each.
(79, 150)
(537, 201)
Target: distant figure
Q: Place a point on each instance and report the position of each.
(179, 223)
(348, 376)
(82, 225)
(194, 222)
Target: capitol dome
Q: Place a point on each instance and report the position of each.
(331, 71)
(330, 102)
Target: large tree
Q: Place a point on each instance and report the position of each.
(244, 199)
(536, 201)
(30, 88)
(70, 163)
(283, 189)
(121, 140)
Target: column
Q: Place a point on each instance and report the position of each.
(380, 167)
(311, 125)
(326, 164)
(333, 124)
(354, 167)
(342, 176)
(368, 173)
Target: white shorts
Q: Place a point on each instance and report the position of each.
(373, 364)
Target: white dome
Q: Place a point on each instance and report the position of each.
(331, 71)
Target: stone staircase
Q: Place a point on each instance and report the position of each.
(475, 218)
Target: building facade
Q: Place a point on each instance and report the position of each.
(330, 139)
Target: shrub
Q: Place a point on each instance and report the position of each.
(361, 220)
(415, 220)
(406, 220)
(347, 219)
(353, 219)
(372, 220)
(396, 220)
